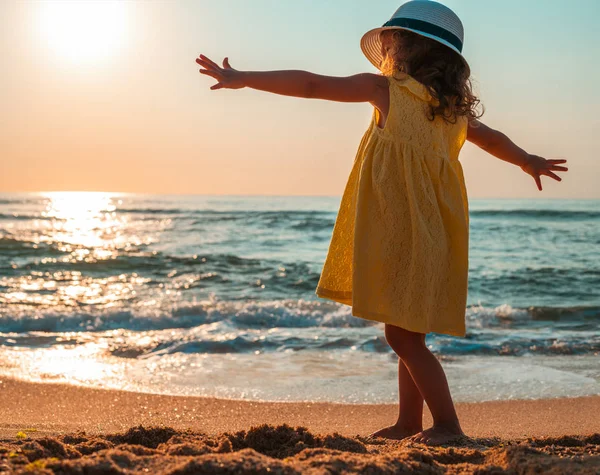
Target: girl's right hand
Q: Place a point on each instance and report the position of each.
(226, 76)
(537, 166)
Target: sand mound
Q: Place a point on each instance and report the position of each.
(268, 449)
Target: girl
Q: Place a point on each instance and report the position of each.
(399, 249)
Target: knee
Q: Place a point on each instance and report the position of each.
(404, 343)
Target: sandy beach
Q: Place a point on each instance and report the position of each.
(69, 428)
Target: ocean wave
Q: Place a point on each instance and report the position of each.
(501, 346)
(267, 314)
(321, 224)
(224, 337)
(23, 248)
(544, 285)
(22, 200)
(536, 213)
(279, 278)
(488, 342)
(296, 219)
(168, 211)
(28, 217)
(243, 314)
(230, 342)
(506, 316)
(242, 213)
(131, 258)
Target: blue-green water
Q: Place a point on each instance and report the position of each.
(215, 295)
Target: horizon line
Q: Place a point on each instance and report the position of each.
(270, 195)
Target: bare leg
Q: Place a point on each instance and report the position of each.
(429, 377)
(410, 410)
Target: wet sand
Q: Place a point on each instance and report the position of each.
(71, 429)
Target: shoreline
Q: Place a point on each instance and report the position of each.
(58, 408)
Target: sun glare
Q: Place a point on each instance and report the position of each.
(83, 30)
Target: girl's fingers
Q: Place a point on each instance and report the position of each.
(207, 65)
(538, 181)
(210, 61)
(216, 86)
(561, 160)
(553, 175)
(213, 74)
(558, 168)
(226, 63)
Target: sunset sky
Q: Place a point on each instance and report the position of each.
(107, 97)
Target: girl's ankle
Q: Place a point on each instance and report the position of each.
(409, 427)
(451, 426)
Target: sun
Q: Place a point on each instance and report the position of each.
(83, 30)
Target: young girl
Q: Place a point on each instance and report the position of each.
(399, 249)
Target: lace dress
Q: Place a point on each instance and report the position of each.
(399, 249)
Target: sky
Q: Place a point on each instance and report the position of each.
(107, 97)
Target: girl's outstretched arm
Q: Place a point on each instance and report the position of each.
(364, 87)
(500, 146)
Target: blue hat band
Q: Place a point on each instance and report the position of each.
(426, 27)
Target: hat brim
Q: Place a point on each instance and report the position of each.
(370, 44)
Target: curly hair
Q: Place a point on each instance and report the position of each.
(438, 68)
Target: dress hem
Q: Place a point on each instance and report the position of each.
(345, 298)
(340, 297)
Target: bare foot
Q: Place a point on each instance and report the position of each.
(438, 435)
(395, 432)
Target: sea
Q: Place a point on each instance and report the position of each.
(215, 296)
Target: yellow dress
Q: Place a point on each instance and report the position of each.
(399, 249)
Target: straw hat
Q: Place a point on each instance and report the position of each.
(424, 17)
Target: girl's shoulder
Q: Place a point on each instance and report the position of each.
(379, 80)
(417, 89)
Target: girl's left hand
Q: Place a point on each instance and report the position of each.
(226, 76)
(537, 166)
